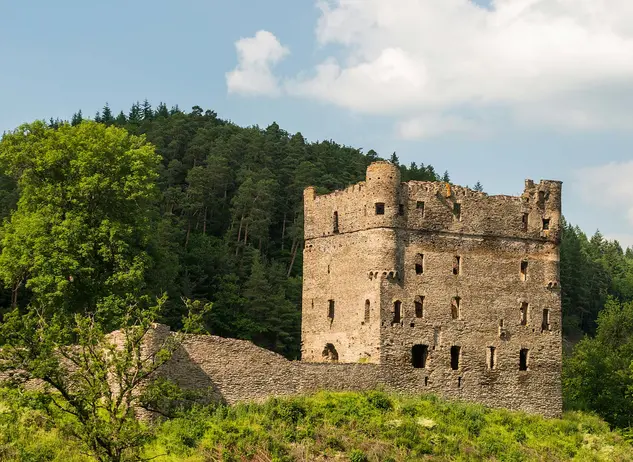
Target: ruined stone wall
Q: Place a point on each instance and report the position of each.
(234, 371)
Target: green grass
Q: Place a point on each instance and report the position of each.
(356, 427)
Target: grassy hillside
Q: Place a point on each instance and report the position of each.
(353, 427)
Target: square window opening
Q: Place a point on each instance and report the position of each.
(419, 355)
(546, 224)
(380, 208)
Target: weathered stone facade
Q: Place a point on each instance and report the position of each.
(451, 290)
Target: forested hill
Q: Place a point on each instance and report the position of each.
(232, 215)
(230, 227)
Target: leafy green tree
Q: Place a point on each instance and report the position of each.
(84, 218)
(599, 374)
(94, 378)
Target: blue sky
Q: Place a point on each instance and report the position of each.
(512, 90)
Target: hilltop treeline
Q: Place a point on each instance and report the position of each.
(231, 215)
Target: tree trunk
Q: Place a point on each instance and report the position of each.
(295, 247)
(283, 232)
(204, 221)
(188, 232)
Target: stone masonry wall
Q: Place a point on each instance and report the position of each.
(236, 371)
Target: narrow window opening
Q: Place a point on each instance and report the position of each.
(335, 224)
(412, 324)
(419, 355)
(328, 269)
(419, 306)
(426, 381)
(397, 312)
(437, 336)
(367, 310)
(525, 221)
(400, 209)
(455, 353)
(545, 323)
(457, 211)
(380, 208)
(330, 310)
(420, 206)
(524, 313)
(329, 353)
(419, 264)
(459, 382)
(546, 222)
(457, 264)
(541, 198)
(492, 358)
(523, 359)
(455, 307)
(524, 270)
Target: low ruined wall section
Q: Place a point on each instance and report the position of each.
(235, 371)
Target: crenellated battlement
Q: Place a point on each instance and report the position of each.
(383, 201)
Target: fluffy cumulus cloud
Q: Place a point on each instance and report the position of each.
(566, 64)
(256, 57)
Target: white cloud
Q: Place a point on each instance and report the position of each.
(552, 63)
(434, 125)
(256, 56)
(609, 187)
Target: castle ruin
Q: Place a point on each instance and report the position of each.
(456, 290)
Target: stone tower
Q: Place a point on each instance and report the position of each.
(452, 288)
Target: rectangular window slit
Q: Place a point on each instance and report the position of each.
(457, 211)
(524, 313)
(400, 209)
(523, 359)
(492, 363)
(335, 224)
(397, 312)
(545, 324)
(420, 206)
(419, 306)
(457, 264)
(524, 270)
(525, 221)
(330, 310)
(456, 308)
(455, 353)
(419, 264)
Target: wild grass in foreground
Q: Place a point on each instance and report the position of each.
(356, 427)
